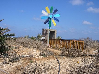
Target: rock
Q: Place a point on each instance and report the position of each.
(46, 52)
(6, 61)
(71, 52)
(32, 69)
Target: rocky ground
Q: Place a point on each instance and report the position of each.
(33, 57)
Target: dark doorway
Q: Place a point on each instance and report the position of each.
(52, 35)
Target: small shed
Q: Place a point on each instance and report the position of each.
(52, 33)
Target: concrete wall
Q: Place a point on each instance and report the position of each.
(52, 33)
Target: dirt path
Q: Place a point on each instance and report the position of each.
(56, 52)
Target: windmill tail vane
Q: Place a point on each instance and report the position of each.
(50, 15)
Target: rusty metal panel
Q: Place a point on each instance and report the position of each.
(68, 44)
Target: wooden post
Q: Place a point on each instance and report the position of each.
(65, 44)
(75, 44)
(58, 43)
(70, 44)
(52, 43)
(62, 43)
(82, 45)
(78, 44)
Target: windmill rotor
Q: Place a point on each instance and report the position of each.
(50, 15)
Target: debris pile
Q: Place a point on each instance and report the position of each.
(46, 53)
(91, 46)
(42, 67)
(32, 69)
(11, 57)
(71, 52)
(86, 69)
(88, 42)
(26, 42)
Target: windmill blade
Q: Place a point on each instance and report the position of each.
(51, 9)
(56, 15)
(1, 20)
(56, 19)
(45, 13)
(44, 17)
(55, 11)
(46, 20)
(47, 9)
(54, 22)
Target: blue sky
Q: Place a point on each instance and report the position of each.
(78, 18)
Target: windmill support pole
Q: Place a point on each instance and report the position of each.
(48, 34)
(48, 39)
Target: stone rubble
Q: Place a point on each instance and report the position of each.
(26, 42)
(88, 42)
(72, 61)
(67, 65)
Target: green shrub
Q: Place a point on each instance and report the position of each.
(3, 36)
(34, 38)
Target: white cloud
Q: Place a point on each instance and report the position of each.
(38, 19)
(86, 32)
(76, 2)
(21, 10)
(61, 31)
(25, 30)
(5, 25)
(93, 27)
(72, 29)
(96, 32)
(90, 3)
(91, 9)
(87, 23)
(65, 30)
(89, 31)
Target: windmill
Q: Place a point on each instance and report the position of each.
(50, 15)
